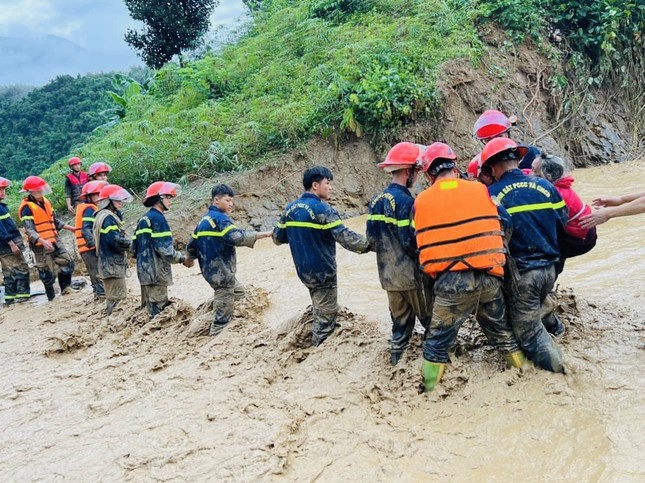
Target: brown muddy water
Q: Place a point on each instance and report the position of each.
(89, 399)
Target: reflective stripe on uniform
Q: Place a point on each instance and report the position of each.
(214, 233)
(307, 224)
(148, 231)
(88, 219)
(387, 219)
(4, 217)
(109, 229)
(536, 207)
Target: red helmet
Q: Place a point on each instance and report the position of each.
(160, 188)
(491, 124)
(402, 156)
(495, 147)
(74, 160)
(99, 167)
(115, 193)
(436, 157)
(5, 183)
(153, 190)
(474, 167)
(35, 183)
(93, 187)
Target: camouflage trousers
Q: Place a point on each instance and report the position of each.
(92, 264)
(15, 272)
(224, 306)
(457, 296)
(50, 264)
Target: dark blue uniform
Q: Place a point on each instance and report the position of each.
(536, 210)
(213, 245)
(390, 233)
(112, 249)
(14, 267)
(312, 228)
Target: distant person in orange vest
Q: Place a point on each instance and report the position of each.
(99, 171)
(613, 207)
(460, 239)
(15, 270)
(42, 226)
(84, 226)
(74, 182)
(390, 233)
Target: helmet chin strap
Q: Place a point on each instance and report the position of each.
(161, 200)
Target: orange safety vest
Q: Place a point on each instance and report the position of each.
(458, 228)
(43, 218)
(78, 227)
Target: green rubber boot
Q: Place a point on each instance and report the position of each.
(432, 372)
(516, 359)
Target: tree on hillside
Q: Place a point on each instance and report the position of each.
(170, 27)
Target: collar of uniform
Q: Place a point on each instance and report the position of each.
(397, 186)
(308, 194)
(513, 173)
(214, 208)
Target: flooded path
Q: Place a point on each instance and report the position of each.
(85, 399)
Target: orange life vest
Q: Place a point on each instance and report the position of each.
(43, 219)
(78, 227)
(458, 228)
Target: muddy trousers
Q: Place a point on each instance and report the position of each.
(451, 309)
(223, 306)
(525, 301)
(15, 272)
(115, 291)
(49, 263)
(405, 307)
(324, 301)
(154, 298)
(92, 264)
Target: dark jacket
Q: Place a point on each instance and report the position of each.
(113, 244)
(213, 245)
(87, 229)
(8, 231)
(390, 233)
(74, 183)
(312, 228)
(153, 248)
(536, 210)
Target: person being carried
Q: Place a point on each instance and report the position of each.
(613, 207)
(311, 228)
(213, 244)
(461, 246)
(536, 210)
(573, 240)
(74, 182)
(153, 248)
(390, 233)
(15, 270)
(41, 225)
(112, 244)
(84, 230)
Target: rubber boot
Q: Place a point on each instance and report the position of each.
(216, 329)
(432, 372)
(395, 356)
(553, 325)
(51, 293)
(65, 282)
(109, 306)
(515, 359)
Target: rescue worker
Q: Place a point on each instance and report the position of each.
(152, 245)
(311, 228)
(460, 238)
(74, 182)
(490, 125)
(15, 270)
(84, 231)
(99, 171)
(41, 226)
(213, 244)
(391, 235)
(112, 243)
(536, 209)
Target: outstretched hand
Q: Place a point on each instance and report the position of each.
(596, 217)
(607, 201)
(264, 234)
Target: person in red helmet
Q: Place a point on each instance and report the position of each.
(99, 171)
(112, 244)
(42, 225)
(538, 212)
(74, 182)
(152, 245)
(84, 226)
(390, 233)
(15, 270)
(460, 240)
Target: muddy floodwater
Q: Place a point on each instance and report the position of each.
(84, 398)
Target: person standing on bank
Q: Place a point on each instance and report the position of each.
(311, 228)
(74, 182)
